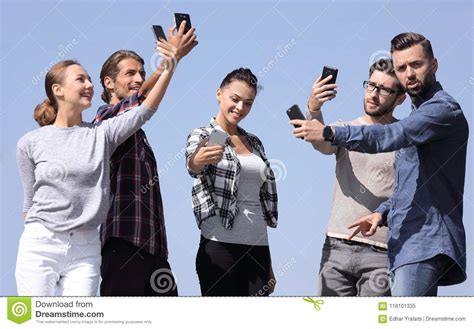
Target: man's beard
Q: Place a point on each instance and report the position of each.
(425, 85)
(382, 111)
(118, 93)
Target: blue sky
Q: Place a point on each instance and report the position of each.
(285, 43)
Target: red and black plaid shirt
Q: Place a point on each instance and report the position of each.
(136, 208)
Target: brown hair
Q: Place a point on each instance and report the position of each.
(110, 69)
(385, 65)
(409, 39)
(45, 113)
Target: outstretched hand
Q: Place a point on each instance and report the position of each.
(366, 225)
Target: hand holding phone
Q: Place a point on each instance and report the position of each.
(179, 17)
(159, 33)
(323, 91)
(327, 71)
(209, 151)
(217, 137)
(294, 113)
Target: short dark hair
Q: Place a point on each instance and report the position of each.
(242, 74)
(385, 65)
(110, 69)
(409, 39)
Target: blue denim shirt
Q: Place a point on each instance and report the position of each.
(425, 211)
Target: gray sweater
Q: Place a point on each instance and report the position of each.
(363, 182)
(65, 171)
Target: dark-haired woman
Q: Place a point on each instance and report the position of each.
(234, 197)
(64, 166)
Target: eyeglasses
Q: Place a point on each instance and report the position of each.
(384, 91)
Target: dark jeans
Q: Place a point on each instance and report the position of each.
(421, 278)
(128, 271)
(351, 268)
(229, 269)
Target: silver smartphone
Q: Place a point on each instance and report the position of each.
(217, 137)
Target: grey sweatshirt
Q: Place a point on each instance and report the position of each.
(363, 182)
(65, 171)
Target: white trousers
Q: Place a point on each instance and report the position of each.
(58, 264)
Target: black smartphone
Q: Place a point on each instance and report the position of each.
(327, 71)
(159, 33)
(294, 113)
(179, 17)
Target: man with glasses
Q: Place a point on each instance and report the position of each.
(426, 240)
(363, 182)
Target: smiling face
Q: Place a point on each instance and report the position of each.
(128, 81)
(76, 88)
(376, 104)
(415, 69)
(236, 100)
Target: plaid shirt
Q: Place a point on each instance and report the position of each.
(136, 208)
(216, 186)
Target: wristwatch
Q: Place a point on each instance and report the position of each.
(328, 133)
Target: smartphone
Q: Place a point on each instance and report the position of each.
(294, 113)
(217, 137)
(159, 33)
(178, 18)
(327, 71)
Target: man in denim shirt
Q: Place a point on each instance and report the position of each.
(426, 239)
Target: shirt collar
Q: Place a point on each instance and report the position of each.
(427, 95)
